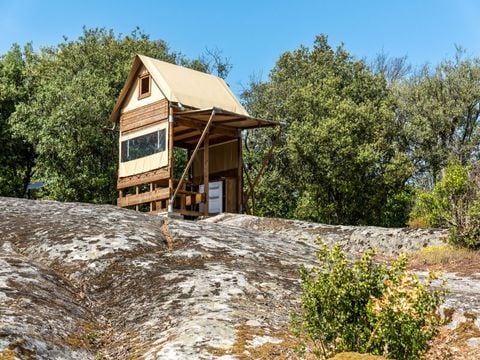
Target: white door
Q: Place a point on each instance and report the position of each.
(215, 197)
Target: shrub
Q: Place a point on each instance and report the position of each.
(454, 202)
(365, 307)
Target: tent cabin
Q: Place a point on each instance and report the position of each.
(165, 107)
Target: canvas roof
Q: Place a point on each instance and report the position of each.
(188, 87)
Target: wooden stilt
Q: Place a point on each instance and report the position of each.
(137, 191)
(151, 203)
(170, 158)
(240, 177)
(205, 172)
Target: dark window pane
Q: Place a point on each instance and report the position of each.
(145, 85)
(161, 140)
(144, 145)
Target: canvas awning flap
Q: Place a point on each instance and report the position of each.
(225, 118)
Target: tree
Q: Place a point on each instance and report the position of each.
(338, 160)
(16, 154)
(440, 112)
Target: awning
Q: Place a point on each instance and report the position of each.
(225, 118)
(189, 125)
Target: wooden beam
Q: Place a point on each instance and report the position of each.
(205, 173)
(190, 161)
(179, 133)
(170, 153)
(137, 191)
(147, 177)
(240, 178)
(146, 197)
(230, 120)
(192, 135)
(213, 141)
(200, 125)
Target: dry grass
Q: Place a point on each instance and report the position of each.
(242, 349)
(418, 223)
(8, 355)
(452, 344)
(446, 258)
(356, 356)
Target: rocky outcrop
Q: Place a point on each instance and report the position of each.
(81, 281)
(353, 239)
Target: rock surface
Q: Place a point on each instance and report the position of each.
(80, 281)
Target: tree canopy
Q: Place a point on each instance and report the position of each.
(339, 152)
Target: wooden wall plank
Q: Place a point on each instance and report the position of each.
(147, 177)
(146, 197)
(222, 157)
(144, 116)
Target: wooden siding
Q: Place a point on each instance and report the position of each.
(147, 177)
(222, 157)
(144, 116)
(136, 199)
(231, 195)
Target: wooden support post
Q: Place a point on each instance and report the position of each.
(240, 177)
(170, 158)
(183, 198)
(151, 202)
(120, 195)
(204, 133)
(137, 191)
(206, 172)
(189, 175)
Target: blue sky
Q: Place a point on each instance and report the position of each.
(254, 33)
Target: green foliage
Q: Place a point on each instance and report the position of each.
(77, 83)
(439, 110)
(366, 307)
(454, 203)
(16, 154)
(337, 160)
(435, 206)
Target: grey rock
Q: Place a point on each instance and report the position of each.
(77, 280)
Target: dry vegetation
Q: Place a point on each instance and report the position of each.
(243, 349)
(356, 356)
(446, 258)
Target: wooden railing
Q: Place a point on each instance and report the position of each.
(157, 199)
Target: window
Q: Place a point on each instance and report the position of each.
(143, 145)
(144, 86)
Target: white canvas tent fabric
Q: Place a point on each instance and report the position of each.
(188, 87)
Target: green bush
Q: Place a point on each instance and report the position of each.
(365, 307)
(454, 203)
